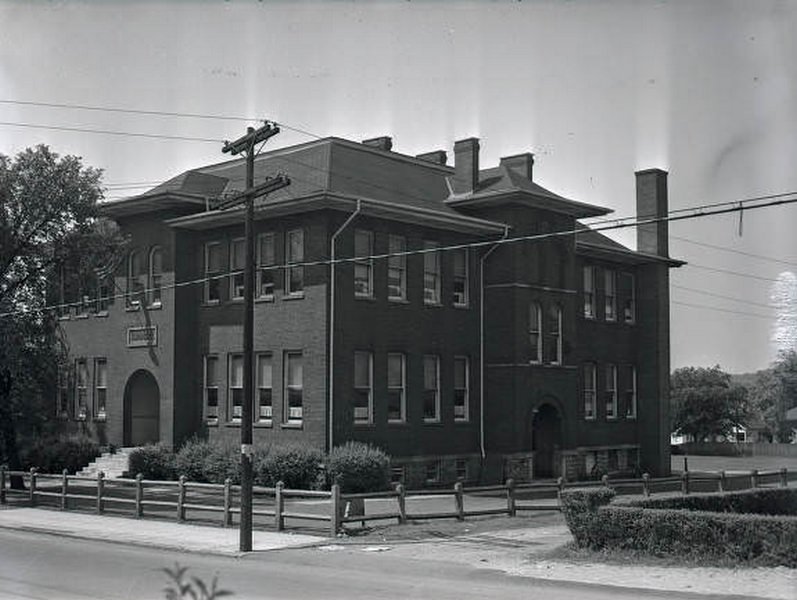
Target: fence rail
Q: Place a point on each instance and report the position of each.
(334, 508)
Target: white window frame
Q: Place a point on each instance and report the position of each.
(134, 286)
(631, 392)
(431, 268)
(610, 398)
(364, 417)
(292, 415)
(101, 388)
(433, 468)
(290, 258)
(556, 336)
(536, 329)
(610, 295)
(401, 389)
(629, 314)
(231, 416)
(212, 278)
(589, 380)
(211, 419)
(366, 265)
(397, 244)
(155, 279)
(465, 390)
(237, 273)
(588, 285)
(262, 264)
(264, 416)
(461, 298)
(82, 409)
(436, 389)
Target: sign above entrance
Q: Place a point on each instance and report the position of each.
(139, 337)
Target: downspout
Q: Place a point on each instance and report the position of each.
(481, 338)
(331, 361)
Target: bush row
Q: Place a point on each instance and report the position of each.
(696, 534)
(763, 501)
(53, 456)
(355, 466)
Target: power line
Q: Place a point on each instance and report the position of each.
(715, 295)
(734, 251)
(729, 272)
(111, 132)
(724, 310)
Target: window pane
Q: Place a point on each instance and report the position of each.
(236, 371)
(430, 372)
(213, 258)
(238, 252)
(102, 373)
(266, 254)
(460, 372)
(264, 371)
(211, 370)
(362, 369)
(296, 245)
(395, 370)
(362, 243)
(295, 370)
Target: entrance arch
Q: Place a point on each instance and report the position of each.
(142, 409)
(546, 440)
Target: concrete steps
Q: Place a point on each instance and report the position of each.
(112, 465)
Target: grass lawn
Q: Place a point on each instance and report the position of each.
(734, 463)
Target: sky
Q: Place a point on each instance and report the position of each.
(596, 90)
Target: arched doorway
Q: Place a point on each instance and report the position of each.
(546, 439)
(142, 409)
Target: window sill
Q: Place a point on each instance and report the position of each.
(132, 308)
(630, 417)
(265, 299)
(233, 423)
(365, 298)
(397, 423)
(364, 424)
(211, 303)
(263, 424)
(101, 314)
(462, 421)
(612, 419)
(292, 425)
(589, 418)
(64, 317)
(236, 300)
(212, 423)
(432, 422)
(84, 316)
(398, 300)
(100, 418)
(461, 306)
(294, 296)
(157, 306)
(433, 304)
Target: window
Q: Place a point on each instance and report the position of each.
(363, 387)
(589, 292)
(461, 388)
(396, 388)
(433, 471)
(212, 270)
(461, 277)
(62, 405)
(100, 386)
(397, 269)
(611, 392)
(212, 389)
(461, 468)
(135, 285)
(628, 297)
(397, 474)
(554, 330)
(363, 269)
(264, 388)
(266, 259)
(155, 282)
(294, 251)
(84, 302)
(235, 396)
(431, 274)
(630, 392)
(293, 387)
(103, 293)
(535, 332)
(431, 389)
(589, 391)
(237, 268)
(81, 389)
(610, 295)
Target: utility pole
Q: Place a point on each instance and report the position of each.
(247, 145)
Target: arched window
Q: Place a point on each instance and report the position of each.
(155, 275)
(535, 332)
(135, 284)
(553, 341)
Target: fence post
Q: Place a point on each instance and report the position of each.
(754, 478)
(605, 481)
(645, 484)
(686, 464)
(139, 495)
(402, 504)
(560, 485)
(459, 501)
(2, 485)
(279, 503)
(334, 525)
(64, 488)
(227, 512)
(723, 482)
(100, 486)
(510, 497)
(32, 490)
(784, 477)
(181, 498)
(685, 483)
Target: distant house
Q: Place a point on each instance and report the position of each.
(462, 358)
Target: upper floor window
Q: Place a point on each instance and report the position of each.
(554, 335)
(264, 388)
(103, 293)
(213, 268)
(81, 389)
(135, 283)
(629, 379)
(611, 391)
(266, 259)
(589, 390)
(397, 268)
(396, 388)
(211, 388)
(589, 292)
(236, 387)
(363, 387)
(610, 295)
(431, 389)
(100, 386)
(363, 269)
(535, 332)
(237, 268)
(461, 388)
(155, 276)
(461, 283)
(431, 273)
(294, 252)
(628, 297)
(64, 395)
(294, 387)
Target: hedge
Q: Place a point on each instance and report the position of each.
(153, 461)
(764, 540)
(358, 468)
(762, 501)
(296, 465)
(53, 456)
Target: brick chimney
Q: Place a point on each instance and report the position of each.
(651, 201)
(438, 157)
(466, 164)
(380, 143)
(520, 164)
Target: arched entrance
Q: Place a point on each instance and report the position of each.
(546, 440)
(142, 409)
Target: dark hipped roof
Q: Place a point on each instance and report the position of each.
(589, 241)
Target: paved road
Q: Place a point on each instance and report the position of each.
(41, 566)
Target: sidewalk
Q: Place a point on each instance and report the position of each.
(147, 532)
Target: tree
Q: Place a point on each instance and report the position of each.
(49, 224)
(705, 403)
(774, 391)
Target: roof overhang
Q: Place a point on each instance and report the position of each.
(577, 210)
(147, 203)
(626, 256)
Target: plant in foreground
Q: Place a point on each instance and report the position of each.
(182, 587)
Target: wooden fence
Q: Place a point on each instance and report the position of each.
(332, 508)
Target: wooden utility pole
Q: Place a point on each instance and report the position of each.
(247, 144)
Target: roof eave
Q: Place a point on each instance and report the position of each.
(578, 210)
(625, 255)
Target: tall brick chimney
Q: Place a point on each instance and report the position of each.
(382, 143)
(520, 164)
(651, 201)
(466, 165)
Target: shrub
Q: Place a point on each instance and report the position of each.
(153, 461)
(764, 501)
(358, 468)
(53, 456)
(297, 466)
(222, 461)
(190, 460)
(580, 507)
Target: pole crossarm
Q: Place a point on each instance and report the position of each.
(271, 184)
(253, 136)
